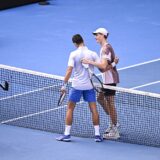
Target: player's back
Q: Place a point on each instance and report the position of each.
(81, 77)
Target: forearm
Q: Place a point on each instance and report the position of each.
(108, 67)
(100, 65)
(68, 74)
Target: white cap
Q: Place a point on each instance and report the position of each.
(101, 30)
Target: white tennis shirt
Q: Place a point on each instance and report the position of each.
(81, 77)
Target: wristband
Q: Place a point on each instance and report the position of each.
(64, 86)
(113, 64)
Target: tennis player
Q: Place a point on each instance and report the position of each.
(81, 86)
(110, 77)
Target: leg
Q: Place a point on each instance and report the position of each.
(112, 109)
(95, 119)
(69, 114)
(95, 115)
(69, 117)
(112, 132)
(74, 97)
(90, 97)
(102, 101)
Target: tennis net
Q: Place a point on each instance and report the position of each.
(31, 102)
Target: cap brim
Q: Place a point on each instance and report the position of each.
(94, 33)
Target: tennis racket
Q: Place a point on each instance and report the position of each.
(61, 98)
(5, 86)
(95, 81)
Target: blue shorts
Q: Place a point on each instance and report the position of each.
(88, 95)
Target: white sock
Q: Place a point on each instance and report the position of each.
(67, 130)
(97, 130)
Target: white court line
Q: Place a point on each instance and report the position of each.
(53, 109)
(139, 64)
(144, 85)
(37, 113)
(136, 65)
(32, 114)
(26, 93)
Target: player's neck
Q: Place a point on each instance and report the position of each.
(103, 42)
(80, 45)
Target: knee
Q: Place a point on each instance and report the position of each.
(70, 107)
(95, 112)
(100, 99)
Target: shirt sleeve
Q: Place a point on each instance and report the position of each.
(71, 60)
(106, 54)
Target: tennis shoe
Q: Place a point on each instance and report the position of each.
(98, 138)
(113, 134)
(110, 128)
(65, 138)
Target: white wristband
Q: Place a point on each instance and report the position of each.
(64, 86)
(113, 64)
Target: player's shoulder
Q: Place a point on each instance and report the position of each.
(106, 48)
(92, 52)
(93, 55)
(73, 53)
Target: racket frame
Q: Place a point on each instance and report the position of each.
(61, 98)
(5, 87)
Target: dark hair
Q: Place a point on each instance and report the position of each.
(77, 38)
(106, 36)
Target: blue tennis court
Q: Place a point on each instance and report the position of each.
(38, 39)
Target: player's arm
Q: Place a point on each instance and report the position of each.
(110, 65)
(68, 72)
(104, 63)
(101, 65)
(66, 78)
(95, 61)
(106, 56)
